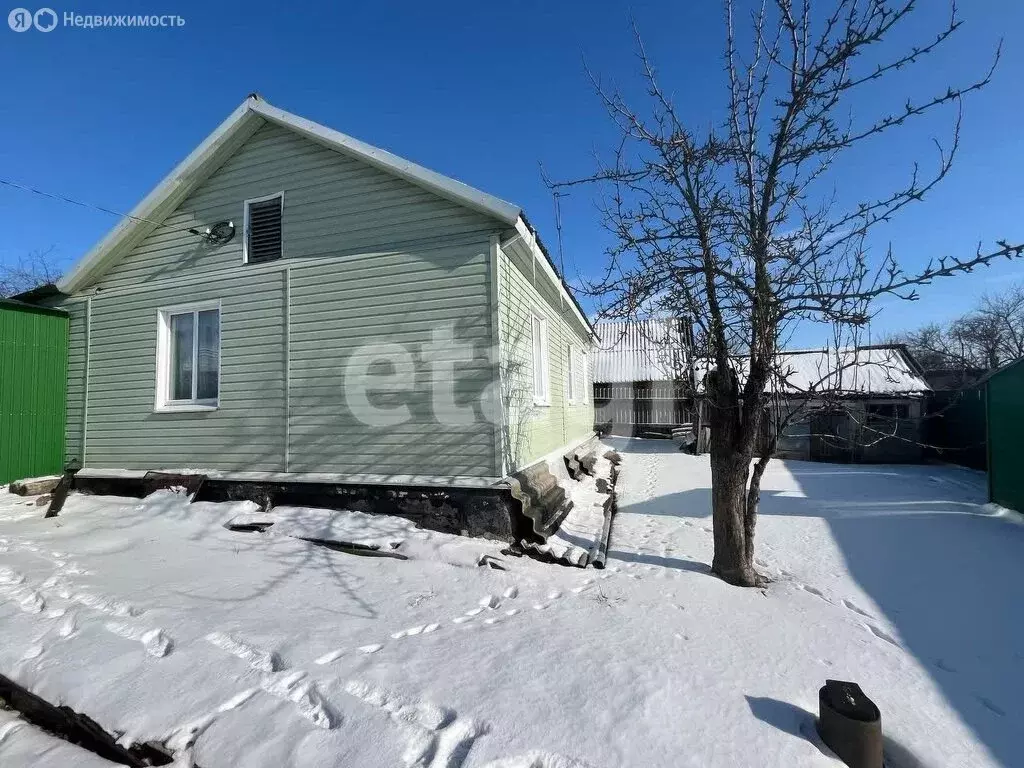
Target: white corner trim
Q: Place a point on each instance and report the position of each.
(287, 311)
(85, 384)
(245, 222)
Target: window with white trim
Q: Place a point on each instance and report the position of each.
(262, 230)
(188, 357)
(541, 395)
(571, 385)
(585, 376)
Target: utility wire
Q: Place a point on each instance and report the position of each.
(63, 198)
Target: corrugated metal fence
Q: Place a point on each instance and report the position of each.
(33, 390)
(641, 404)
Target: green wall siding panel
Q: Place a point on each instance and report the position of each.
(246, 432)
(532, 431)
(341, 317)
(33, 364)
(1005, 441)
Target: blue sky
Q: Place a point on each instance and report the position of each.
(483, 92)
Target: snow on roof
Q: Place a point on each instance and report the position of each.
(656, 350)
(639, 350)
(857, 370)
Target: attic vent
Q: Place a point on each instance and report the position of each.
(263, 228)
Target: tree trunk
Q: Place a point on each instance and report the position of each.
(730, 469)
(733, 560)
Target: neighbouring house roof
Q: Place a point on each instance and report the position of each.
(231, 134)
(657, 350)
(640, 350)
(871, 370)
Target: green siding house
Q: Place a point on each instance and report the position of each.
(292, 302)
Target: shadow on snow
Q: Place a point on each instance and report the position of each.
(946, 574)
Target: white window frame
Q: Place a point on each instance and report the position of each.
(541, 373)
(570, 374)
(245, 222)
(164, 403)
(585, 376)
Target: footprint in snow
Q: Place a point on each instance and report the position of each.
(853, 607)
(512, 593)
(474, 612)
(511, 611)
(372, 648)
(330, 656)
(410, 632)
(554, 594)
(461, 619)
(32, 652)
(489, 601)
(813, 590)
(257, 658)
(155, 642)
(67, 627)
(881, 634)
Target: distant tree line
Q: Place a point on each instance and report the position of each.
(990, 335)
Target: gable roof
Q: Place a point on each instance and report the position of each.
(224, 141)
(640, 350)
(882, 369)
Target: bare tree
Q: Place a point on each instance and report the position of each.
(988, 336)
(31, 271)
(734, 225)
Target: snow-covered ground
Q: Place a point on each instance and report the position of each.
(265, 650)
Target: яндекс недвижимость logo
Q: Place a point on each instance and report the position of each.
(46, 20)
(22, 19)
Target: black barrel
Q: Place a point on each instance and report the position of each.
(850, 724)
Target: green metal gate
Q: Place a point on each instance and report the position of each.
(1005, 428)
(33, 389)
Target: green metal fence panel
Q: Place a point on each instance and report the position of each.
(1006, 437)
(955, 429)
(33, 390)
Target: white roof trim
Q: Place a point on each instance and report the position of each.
(189, 173)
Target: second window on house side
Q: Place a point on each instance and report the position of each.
(540, 361)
